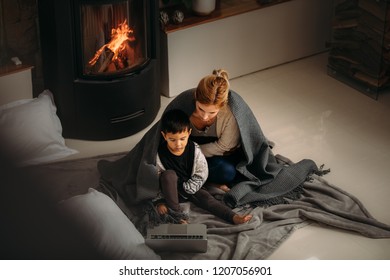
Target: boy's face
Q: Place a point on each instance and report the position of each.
(177, 142)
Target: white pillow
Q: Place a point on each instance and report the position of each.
(109, 229)
(31, 132)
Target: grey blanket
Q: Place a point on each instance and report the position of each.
(320, 202)
(267, 181)
(294, 195)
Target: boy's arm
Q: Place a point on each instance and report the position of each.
(199, 174)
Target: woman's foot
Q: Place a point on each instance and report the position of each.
(224, 188)
(241, 219)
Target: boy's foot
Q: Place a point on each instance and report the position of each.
(241, 219)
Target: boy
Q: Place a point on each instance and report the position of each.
(183, 171)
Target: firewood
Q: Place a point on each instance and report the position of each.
(109, 55)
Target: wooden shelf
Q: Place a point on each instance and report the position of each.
(225, 8)
(11, 69)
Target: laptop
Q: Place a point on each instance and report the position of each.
(190, 238)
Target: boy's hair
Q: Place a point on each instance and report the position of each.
(175, 121)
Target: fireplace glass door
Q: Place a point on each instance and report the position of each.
(113, 38)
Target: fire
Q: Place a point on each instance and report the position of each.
(116, 54)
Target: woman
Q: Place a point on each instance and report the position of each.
(215, 128)
(238, 154)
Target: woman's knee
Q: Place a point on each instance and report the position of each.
(227, 173)
(221, 171)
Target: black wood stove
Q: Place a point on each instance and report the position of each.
(101, 62)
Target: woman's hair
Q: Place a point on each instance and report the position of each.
(175, 121)
(213, 89)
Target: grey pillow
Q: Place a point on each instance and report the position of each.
(109, 230)
(31, 132)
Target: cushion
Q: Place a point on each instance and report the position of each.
(31, 132)
(108, 228)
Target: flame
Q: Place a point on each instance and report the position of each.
(118, 36)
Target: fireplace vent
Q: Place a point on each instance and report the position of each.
(127, 117)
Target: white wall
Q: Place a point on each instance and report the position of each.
(15, 85)
(245, 43)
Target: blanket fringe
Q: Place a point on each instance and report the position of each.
(321, 171)
(172, 217)
(152, 218)
(292, 195)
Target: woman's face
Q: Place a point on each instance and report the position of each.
(206, 112)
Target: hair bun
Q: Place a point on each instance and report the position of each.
(221, 73)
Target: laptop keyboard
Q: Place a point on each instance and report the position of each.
(176, 236)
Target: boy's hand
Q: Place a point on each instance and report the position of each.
(162, 209)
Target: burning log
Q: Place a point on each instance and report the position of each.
(118, 53)
(107, 60)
